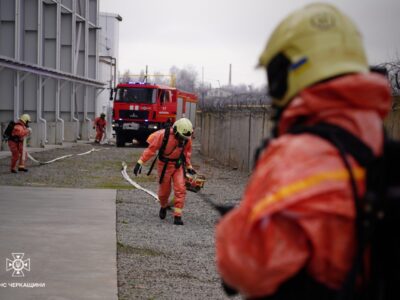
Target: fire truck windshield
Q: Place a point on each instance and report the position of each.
(136, 95)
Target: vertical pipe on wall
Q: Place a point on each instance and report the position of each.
(96, 22)
(58, 118)
(97, 41)
(17, 36)
(58, 67)
(74, 60)
(88, 121)
(42, 129)
(73, 108)
(16, 95)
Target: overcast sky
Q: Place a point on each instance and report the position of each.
(215, 33)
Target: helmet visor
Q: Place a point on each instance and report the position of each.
(277, 74)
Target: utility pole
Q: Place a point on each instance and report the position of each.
(146, 74)
(202, 84)
(230, 74)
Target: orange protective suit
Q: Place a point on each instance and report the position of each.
(297, 212)
(172, 151)
(100, 125)
(16, 147)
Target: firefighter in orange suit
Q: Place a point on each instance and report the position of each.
(296, 220)
(100, 126)
(16, 143)
(171, 163)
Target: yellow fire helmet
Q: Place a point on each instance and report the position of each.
(183, 128)
(312, 44)
(25, 118)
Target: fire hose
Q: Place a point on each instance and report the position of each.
(135, 184)
(61, 157)
(222, 209)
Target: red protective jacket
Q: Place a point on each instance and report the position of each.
(171, 151)
(100, 124)
(20, 131)
(297, 211)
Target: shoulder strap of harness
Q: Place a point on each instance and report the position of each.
(161, 150)
(337, 135)
(347, 143)
(165, 141)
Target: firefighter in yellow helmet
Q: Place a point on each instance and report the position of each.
(17, 132)
(293, 236)
(174, 146)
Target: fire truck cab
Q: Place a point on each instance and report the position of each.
(142, 108)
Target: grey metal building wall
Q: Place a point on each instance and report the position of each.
(49, 65)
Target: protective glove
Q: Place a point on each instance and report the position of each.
(191, 171)
(137, 169)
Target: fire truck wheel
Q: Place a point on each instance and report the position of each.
(120, 141)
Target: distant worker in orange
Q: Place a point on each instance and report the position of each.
(19, 131)
(174, 146)
(100, 126)
(294, 235)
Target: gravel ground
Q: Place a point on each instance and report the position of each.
(156, 259)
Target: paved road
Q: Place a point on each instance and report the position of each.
(69, 237)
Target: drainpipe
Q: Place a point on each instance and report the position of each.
(41, 82)
(17, 56)
(87, 120)
(58, 118)
(73, 108)
(58, 66)
(39, 118)
(115, 72)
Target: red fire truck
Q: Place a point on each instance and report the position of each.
(142, 108)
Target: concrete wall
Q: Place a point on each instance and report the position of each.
(232, 137)
(392, 122)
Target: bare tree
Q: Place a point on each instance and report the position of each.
(392, 71)
(125, 76)
(186, 78)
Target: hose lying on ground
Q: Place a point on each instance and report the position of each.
(222, 209)
(61, 157)
(135, 184)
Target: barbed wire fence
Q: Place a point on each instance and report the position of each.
(393, 70)
(253, 101)
(235, 102)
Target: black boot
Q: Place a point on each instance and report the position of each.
(163, 213)
(178, 221)
(22, 170)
